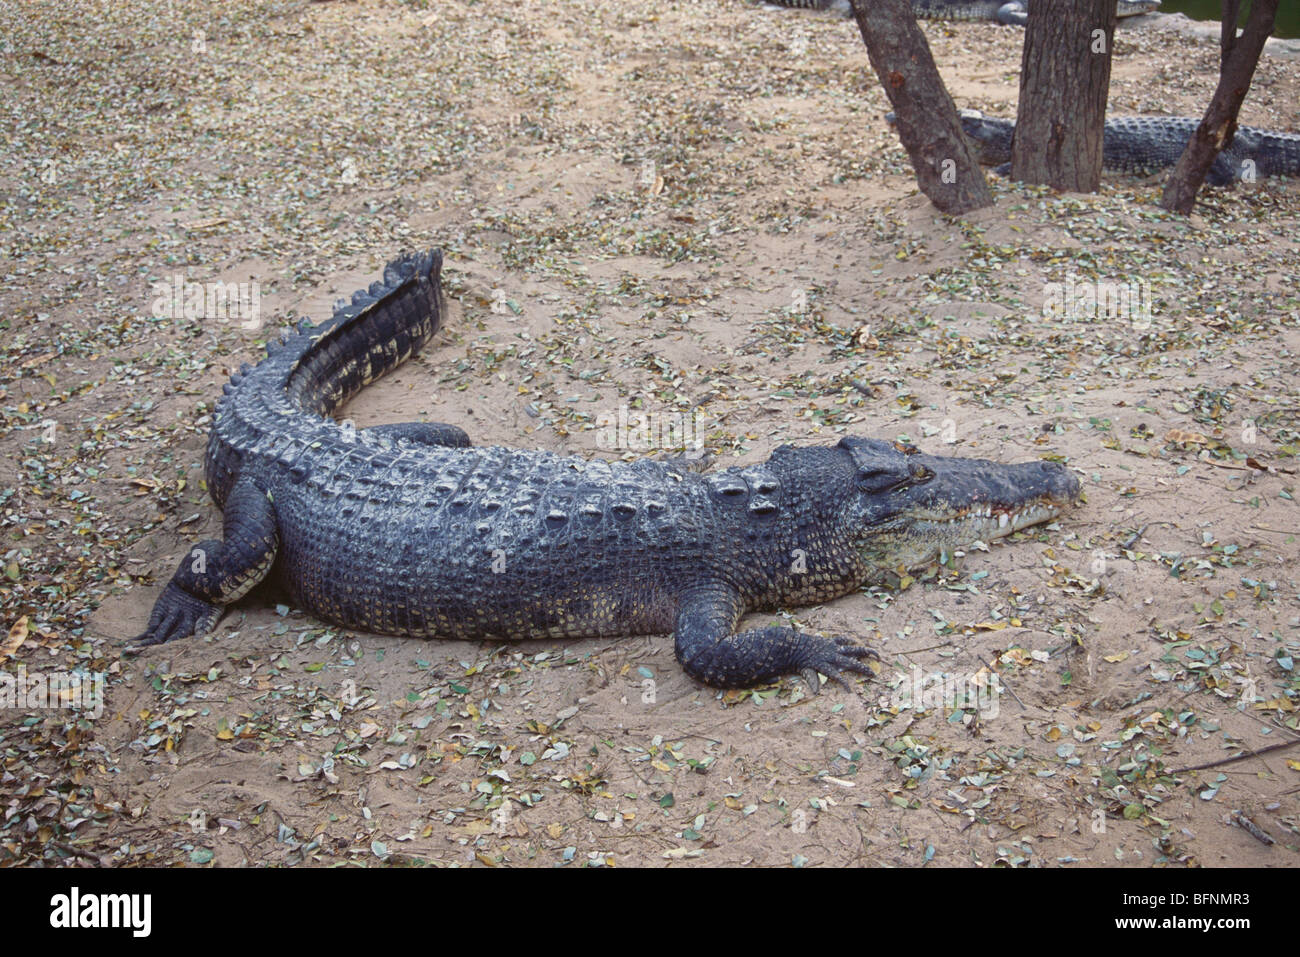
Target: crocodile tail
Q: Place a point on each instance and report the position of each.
(369, 335)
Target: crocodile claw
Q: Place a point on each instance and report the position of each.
(812, 679)
(832, 657)
(177, 614)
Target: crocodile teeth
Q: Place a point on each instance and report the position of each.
(1003, 520)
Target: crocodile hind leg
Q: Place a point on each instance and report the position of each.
(426, 433)
(712, 652)
(215, 573)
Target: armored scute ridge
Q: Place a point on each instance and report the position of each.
(405, 529)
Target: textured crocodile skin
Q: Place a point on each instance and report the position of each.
(407, 529)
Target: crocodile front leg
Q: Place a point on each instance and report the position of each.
(215, 573)
(426, 433)
(712, 652)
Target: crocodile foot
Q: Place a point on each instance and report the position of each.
(177, 614)
(712, 653)
(693, 461)
(831, 657)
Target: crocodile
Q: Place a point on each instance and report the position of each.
(408, 529)
(1143, 144)
(1010, 12)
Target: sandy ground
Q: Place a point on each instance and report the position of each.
(696, 208)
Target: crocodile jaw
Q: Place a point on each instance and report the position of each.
(921, 537)
(909, 509)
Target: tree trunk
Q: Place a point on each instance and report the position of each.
(947, 169)
(1239, 56)
(1064, 81)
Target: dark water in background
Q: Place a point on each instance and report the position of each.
(1288, 13)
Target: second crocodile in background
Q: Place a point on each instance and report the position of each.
(1010, 12)
(407, 530)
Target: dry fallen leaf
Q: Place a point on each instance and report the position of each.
(17, 635)
(37, 360)
(864, 338)
(1189, 438)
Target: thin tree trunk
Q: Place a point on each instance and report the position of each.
(1064, 82)
(947, 169)
(1239, 57)
(1228, 30)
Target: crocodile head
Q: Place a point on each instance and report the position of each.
(908, 509)
(990, 135)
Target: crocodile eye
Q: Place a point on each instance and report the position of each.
(878, 480)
